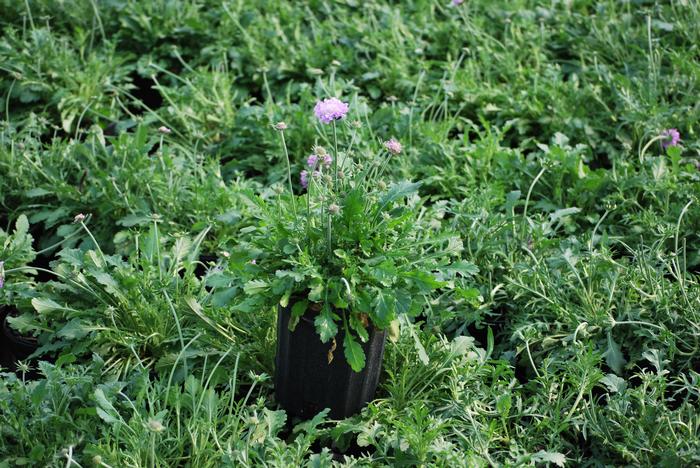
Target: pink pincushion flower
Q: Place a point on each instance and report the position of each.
(327, 160)
(393, 146)
(330, 109)
(457, 2)
(673, 138)
(304, 176)
(312, 161)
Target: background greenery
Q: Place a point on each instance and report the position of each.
(572, 338)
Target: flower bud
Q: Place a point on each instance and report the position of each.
(334, 209)
(155, 426)
(280, 126)
(79, 218)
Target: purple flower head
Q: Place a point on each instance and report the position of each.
(457, 2)
(312, 161)
(327, 160)
(253, 262)
(393, 146)
(304, 176)
(2, 274)
(673, 137)
(330, 109)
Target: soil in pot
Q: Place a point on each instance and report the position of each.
(306, 382)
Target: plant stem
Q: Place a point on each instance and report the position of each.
(289, 173)
(529, 193)
(335, 158)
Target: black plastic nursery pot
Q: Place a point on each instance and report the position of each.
(13, 347)
(306, 383)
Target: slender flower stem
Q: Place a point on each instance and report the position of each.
(335, 159)
(646, 147)
(529, 193)
(308, 209)
(330, 245)
(289, 173)
(381, 170)
(97, 246)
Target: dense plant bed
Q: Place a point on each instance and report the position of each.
(212, 214)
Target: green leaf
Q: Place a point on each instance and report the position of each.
(383, 308)
(356, 324)
(106, 280)
(104, 408)
(614, 383)
(23, 323)
(298, 309)
(557, 215)
(503, 404)
(43, 305)
(398, 190)
(21, 226)
(74, 330)
(325, 326)
(65, 359)
(613, 355)
(353, 207)
(39, 392)
(37, 192)
(134, 220)
(463, 268)
(385, 273)
(255, 287)
(315, 291)
(557, 458)
(353, 352)
(426, 282)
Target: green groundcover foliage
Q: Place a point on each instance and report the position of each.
(509, 188)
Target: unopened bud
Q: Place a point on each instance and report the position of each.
(164, 130)
(155, 425)
(280, 126)
(334, 209)
(79, 218)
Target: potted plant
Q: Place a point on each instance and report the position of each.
(16, 252)
(15, 347)
(341, 261)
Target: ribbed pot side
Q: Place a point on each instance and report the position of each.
(306, 383)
